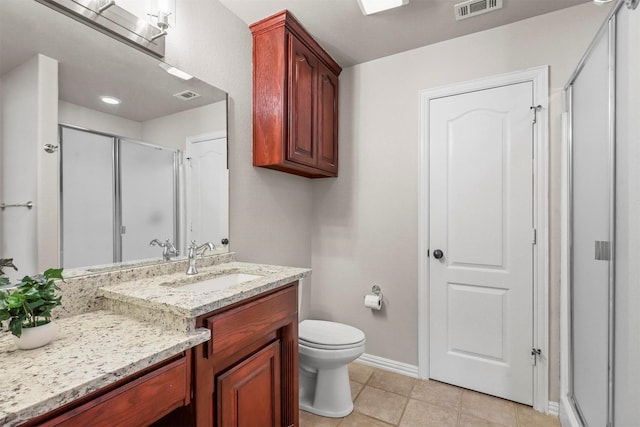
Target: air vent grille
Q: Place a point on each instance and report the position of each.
(471, 8)
(187, 95)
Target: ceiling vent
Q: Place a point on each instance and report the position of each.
(187, 95)
(471, 8)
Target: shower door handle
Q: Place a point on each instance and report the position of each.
(603, 250)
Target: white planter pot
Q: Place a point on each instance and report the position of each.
(35, 337)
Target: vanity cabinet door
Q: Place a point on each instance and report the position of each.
(249, 393)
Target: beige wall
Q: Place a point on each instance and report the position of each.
(77, 115)
(365, 224)
(270, 219)
(28, 121)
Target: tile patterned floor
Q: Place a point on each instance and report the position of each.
(384, 399)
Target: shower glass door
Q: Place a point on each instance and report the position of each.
(148, 193)
(117, 195)
(87, 186)
(591, 241)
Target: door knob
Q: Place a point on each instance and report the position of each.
(437, 254)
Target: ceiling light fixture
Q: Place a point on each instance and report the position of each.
(111, 100)
(175, 71)
(369, 7)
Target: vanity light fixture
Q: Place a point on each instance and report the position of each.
(162, 10)
(369, 7)
(111, 100)
(175, 71)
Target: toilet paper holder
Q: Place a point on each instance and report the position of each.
(375, 289)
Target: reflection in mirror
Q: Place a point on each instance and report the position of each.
(112, 177)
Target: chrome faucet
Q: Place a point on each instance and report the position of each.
(194, 251)
(168, 249)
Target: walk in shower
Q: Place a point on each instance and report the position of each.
(599, 104)
(117, 195)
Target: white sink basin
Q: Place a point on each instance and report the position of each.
(220, 282)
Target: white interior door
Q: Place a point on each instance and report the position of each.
(481, 219)
(207, 181)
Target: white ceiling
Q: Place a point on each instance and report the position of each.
(352, 38)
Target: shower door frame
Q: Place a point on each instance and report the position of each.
(117, 196)
(608, 30)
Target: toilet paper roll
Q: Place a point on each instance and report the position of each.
(373, 302)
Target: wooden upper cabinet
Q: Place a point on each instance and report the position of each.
(295, 100)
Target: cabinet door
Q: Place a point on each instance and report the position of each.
(249, 393)
(303, 71)
(327, 121)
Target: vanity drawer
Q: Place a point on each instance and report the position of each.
(241, 326)
(139, 402)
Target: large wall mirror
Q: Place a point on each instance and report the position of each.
(86, 183)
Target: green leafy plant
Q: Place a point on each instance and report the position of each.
(28, 304)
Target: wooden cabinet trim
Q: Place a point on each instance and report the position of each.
(287, 20)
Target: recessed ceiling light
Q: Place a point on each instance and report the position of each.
(370, 7)
(175, 71)
(112, 100)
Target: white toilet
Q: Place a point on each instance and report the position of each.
(326, 348)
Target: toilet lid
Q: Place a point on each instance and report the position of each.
(324, 334)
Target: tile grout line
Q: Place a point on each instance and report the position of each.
(406, 403)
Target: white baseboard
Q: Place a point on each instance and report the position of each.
(553, 409)
(567, 417)
(389, 365)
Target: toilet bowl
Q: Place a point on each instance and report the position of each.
(326, 349)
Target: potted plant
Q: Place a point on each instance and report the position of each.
(28, 304)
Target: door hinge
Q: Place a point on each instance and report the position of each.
(535, 353)
(535, 109)
(534, 236)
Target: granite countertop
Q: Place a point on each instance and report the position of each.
(90, 351)
(164, 293)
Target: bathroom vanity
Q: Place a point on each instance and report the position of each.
(247, 373)
(163, 347)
